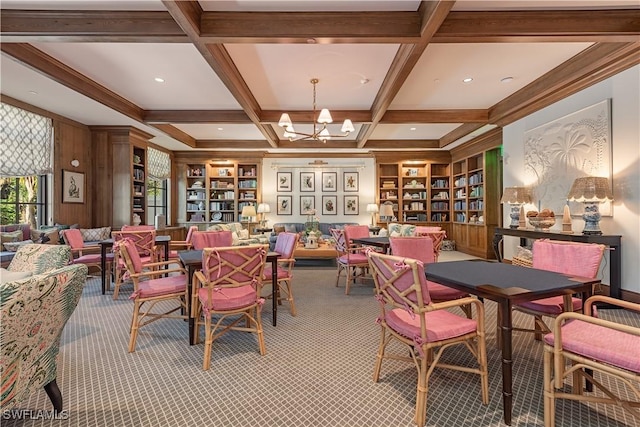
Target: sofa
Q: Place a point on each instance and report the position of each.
(35, 304)
(240, 235)
(298, 227)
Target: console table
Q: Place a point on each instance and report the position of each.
(612, 241)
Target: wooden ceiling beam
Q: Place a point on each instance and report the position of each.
(329, 145)
(196, 116)
(89, 26)
(67, 76)
(176, 134)
(403, 144)
(435, 116)
(540, 26)
(226, 144)
(459, 132)
(432, 14)
(188, 15)
(272, 116)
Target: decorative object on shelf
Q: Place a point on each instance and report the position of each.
(386, 211)
(136, 219)
(248, 212)
(591, 190)
(373, 208)
(320, 133)
(566, 220)
(197, 184)
(263, 208)
(516, 197)
(543, 220)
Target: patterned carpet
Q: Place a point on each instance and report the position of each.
(317, 371)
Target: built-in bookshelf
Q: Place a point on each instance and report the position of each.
(138, 181)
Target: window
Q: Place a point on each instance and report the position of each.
(157, 200)
(24, 200)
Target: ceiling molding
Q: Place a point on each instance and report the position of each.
(224, 144)
(435, 116)
(373, 144)
(459, 132)
(357, 116)
(176, 134)
(196, 116)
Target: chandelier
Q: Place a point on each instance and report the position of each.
(320, 131)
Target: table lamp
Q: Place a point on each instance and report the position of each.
(591, 190)
(263, 208)
(516, 197)
(248, 212)
(386, 211)
(373, 208)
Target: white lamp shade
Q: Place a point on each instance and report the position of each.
(264, 208)
(324, 134)
(325, 116)
(285, 121)
(347, 126)
(372, 207)
(249, 211)
(386, 210)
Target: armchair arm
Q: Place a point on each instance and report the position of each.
(174, 244)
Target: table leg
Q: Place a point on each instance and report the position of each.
(103, 267)
(507, 362)
(192, 321)
(275, 290)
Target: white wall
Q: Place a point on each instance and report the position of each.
(624, 92)
(366, 193)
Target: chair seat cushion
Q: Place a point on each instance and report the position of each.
(163, 286)
(228, 298)
(439, 292)
(596, 342)
(441, 324)
(358, 258)
(281, 272)
(88, 259)
(552, 305)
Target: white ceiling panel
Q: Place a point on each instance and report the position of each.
(420, 131)
(308, 5)
(221, 131)
(84, 5)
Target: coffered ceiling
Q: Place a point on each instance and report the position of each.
(231, 68)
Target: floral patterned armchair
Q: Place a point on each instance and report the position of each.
(34, 312)
(40, 258)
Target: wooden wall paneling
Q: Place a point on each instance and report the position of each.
(102, 191)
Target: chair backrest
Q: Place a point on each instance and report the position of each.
(286, 244)
(341, 242)
(421, 230)
(211, 239)
(39, 258)
(234, 266)
(126, 249)
(579, 259)
(137, 227)
(190, 232)
(420, 248)
(144, 240)
(73, 238)
(355, 232)
(400, 281)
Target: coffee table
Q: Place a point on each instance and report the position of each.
(323, 251)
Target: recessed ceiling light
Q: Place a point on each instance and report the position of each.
(364, 81)
(220, 128)
(412, 128)
(159, 79)
(33, 92)
(467, 80)
(506, 79)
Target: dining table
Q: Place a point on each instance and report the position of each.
(106, 244)
(508, 284)
(377, 241)
(192, 261)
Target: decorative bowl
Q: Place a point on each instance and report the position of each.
(542, 223)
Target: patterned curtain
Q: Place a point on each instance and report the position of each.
(159, 164)
(26, 141)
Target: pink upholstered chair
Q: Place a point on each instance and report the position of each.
(348, 258)
(228, 288)
(579, 259)
(137, 227)
(421, 248)
(592, 344)
(87, 255)
(182, 245)
(408, 316)
(144, 241)
(285, 245)
(151, 287)
(437, 234)
(211, 239)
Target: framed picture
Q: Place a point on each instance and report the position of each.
(72, 187)
(284, 205)
(307, 204)
(329, 181)
(351, 205)
(350, 181)
(329, 205)
(284, 181)
(307, 182)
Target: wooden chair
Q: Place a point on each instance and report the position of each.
(579, 259)
(181, 245)
(211, 239)
(150, 288)
(228, 288)
(144, 242)
(591, 344)
(82, 254)
(421, 248)
(348, 259)
(436, 234)
(285, 245)
(408, 316)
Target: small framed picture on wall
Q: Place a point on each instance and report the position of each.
(351, 205)
(284, 205)
(284, 181)
(307, 204)
(308, 182)
(350, 181)
(329, 181)
(329, 205)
